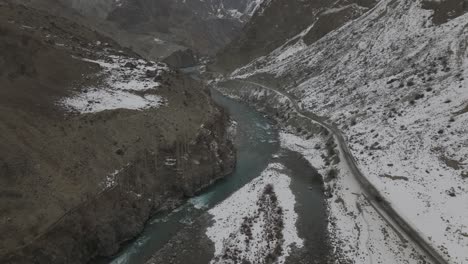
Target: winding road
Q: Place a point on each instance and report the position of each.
(372, 194)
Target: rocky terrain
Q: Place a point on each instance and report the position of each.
(284, 19)
(100, 132)
(393, 80)
(155, 29)
(95, 139)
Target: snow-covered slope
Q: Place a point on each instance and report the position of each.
(129, 83)
(277, 20)
(244, 220)
(240, 10)
(395, 81)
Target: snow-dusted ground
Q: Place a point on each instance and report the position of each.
(356, 229)
(253, 6)
(128, 84)
(397, 86)
(242, 13)
(245, 207)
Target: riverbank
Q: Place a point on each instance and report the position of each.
(355, 231)
(279, 216)
(255, 142)
(184, 235)
(395, 83)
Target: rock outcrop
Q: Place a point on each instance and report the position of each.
(181, 59)
(279, 20)
(155, 29)
(78, 178)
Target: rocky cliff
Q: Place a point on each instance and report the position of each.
(94, 140)
(279, 20)
(157, 28)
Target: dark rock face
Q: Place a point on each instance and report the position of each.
(130, 65)
(280, 20)
(446, 10)
(76, 186)
(192, 24)
(102, 221)
(181, 59)
(329, 21)
(203, 26)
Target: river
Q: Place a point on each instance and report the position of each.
(257, 146)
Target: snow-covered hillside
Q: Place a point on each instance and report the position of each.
(222, 9)
(129, 83)
(277, 20)
(395, 82)
(240, 10)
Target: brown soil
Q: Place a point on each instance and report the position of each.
(54, 204)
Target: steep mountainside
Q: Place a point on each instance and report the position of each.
(94, 140)
(157, 28)
(279, 20)
(394, 80)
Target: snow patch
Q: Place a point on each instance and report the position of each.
(232, 218)
(128, 83)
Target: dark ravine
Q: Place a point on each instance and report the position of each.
(155, 29)
(180, 236)
(255, 142)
